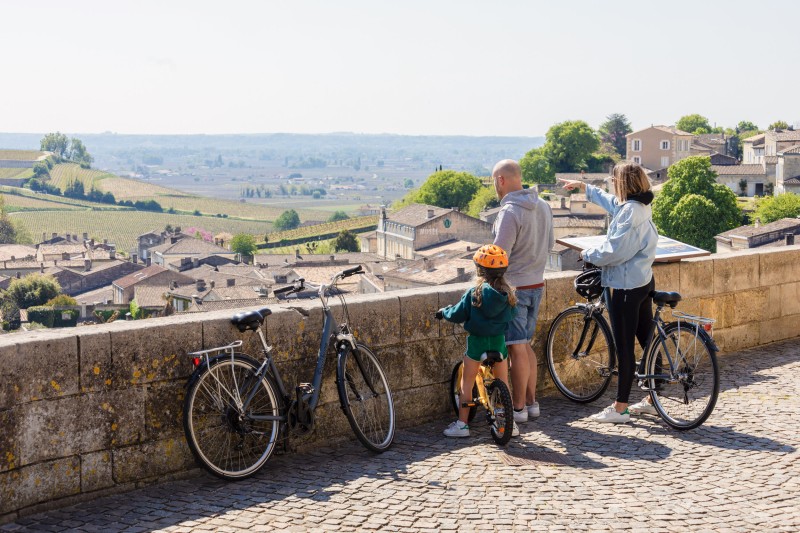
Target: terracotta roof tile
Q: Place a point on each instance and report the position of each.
(739, 170)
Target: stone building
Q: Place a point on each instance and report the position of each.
(402, 233)
(779, 233)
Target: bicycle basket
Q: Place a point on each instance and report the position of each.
(587, 284)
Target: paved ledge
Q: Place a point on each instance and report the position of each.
(738, 472)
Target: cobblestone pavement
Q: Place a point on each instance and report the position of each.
(738, 472)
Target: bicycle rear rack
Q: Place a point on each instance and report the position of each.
(205, 354)
(700, 321)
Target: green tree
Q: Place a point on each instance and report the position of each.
(569, 144)
(338, 215)
(772, 208)
(779, 125)
(33, 289)
(448, 188)
(485, 198)
(74, 189)
(614, 130)
(346, 241)
(8, 232)
(691, 123)
(287, 220)
(55, 142)
(408, 183)
(745, 125)
(244, 244)
(692, 207)
(77, 152)
(62, 300)
(536, 167)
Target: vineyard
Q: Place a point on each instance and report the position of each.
(16, 173)
(123, 227)
(133, 190)
(23, 197)
(21, 155)
(308, 232)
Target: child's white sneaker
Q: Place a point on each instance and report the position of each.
(457, 429)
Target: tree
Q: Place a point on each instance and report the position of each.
(56, 143)
(287, 220)
(244, 244)
(77, 153)
(33, 289)
(690, 123)
(8, 233)
(338, 215)
(772, 208)
(408, 183)
(536, 167)
(692, 207)
(62, 300)
(779, 125)
(569, 144)
(745, 125)
(346, 241)
(74, 189)
(614, 130)
(485, 198)
(448, 188)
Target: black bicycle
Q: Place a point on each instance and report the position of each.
(678, 367)
(237, 409)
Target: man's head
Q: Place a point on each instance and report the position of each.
(507, 177)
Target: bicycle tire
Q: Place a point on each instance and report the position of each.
(222, 439)
(499, 396)
(686, 401)
(583, 377)
(455, 391)
(369, 409)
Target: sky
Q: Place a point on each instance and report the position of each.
(431, 67)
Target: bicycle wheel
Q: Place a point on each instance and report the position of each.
(580, 354)
(223, 436)
(366, 398)
(455, 391)
(501, 412)
(686, 399)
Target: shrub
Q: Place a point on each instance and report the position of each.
(62, 300)
(42, 314)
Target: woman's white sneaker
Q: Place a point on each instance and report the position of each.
(457, 429)
(533, 410)
(609, 415)
(642, 408)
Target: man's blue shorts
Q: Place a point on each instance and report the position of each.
(521, 329)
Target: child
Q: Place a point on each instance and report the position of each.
(485, 310)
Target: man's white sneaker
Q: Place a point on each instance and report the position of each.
(642, 408)
(610, 415)
(521, 416)
(533, 410)
(457, 429)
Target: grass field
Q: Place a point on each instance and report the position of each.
(15, 173)
(123, 227)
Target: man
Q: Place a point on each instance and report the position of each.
(524, 228)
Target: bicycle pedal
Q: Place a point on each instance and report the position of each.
(305, 388)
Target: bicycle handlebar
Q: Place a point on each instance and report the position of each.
(297, 286)
(351, 271)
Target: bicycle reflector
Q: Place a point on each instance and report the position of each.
(707, 327)
(587, 284)
(196, 361)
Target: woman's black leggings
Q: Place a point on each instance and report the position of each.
(631, 313)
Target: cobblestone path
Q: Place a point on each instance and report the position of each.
(738, 472)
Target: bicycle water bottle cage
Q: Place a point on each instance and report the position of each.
(666, 298)
(587, 284)
(250, 319)
(490, 358)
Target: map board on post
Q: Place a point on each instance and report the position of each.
(667, 250)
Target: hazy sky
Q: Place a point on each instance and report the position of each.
(460, 67)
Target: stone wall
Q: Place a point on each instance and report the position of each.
(92, 410)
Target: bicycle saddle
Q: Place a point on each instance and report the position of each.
(250, 319)
(666, 298)
(491, 358)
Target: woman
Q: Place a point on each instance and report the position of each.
(626, 259)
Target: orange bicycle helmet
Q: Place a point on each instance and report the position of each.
(491, 260)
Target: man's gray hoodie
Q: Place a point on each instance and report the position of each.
(524, 229)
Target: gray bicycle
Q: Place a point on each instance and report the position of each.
(237, 409)
(679, 365)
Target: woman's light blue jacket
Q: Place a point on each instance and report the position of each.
(627, 254)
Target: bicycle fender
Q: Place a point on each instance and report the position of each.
(204, 366)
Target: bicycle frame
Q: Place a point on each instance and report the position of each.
(592, 308)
